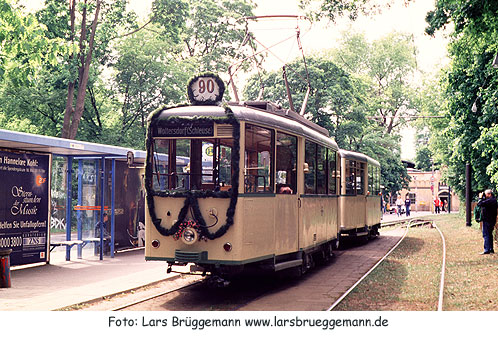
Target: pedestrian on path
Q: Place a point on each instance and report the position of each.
(437, 204)
(407, 205)
(489, 206)
(399, 204)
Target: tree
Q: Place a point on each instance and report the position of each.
(24, 45)
(338, 102)
(332, 9)
(470, 90)
(151, 71)
(74, 112)
(388, 65)
(423, 159)
(335, 101)
(214, 34)
(148, 75)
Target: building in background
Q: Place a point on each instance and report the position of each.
(423, 189)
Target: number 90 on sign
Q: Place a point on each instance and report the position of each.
(205, 89)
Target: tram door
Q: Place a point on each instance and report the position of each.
(287, 215)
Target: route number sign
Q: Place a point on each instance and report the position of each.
(206, 89)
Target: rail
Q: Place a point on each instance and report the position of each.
(122, 307)
(409, 223)
(443, 268)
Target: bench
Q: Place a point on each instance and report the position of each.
(69, 244)
(96, 241)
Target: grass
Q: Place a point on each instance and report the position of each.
(409, 278)
(471, 279)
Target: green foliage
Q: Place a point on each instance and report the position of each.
(332, 9)
(214, 34)
(423, 159)
(24, 47)
(148, 75)
(471, 81)
(335, 100)
(338, 102)
(387, 65)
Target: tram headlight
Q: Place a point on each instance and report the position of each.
(155, 243)
(227, 246)
(189, 236)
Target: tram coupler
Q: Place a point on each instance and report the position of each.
(170, 268)
(215, 281)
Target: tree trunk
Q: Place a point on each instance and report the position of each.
(83, 80)
(68, 113)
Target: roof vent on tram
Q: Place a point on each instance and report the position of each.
(263, 105)
(224, 130)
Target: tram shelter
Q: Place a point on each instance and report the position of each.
(81, 189)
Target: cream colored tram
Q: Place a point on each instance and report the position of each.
(359, 202)
(260, 189)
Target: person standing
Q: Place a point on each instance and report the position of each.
(489, 208)
(436, 206)
(399, 204)
(407, 205)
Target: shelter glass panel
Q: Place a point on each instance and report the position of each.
(58, 200)
(286, 175)
(258, 159)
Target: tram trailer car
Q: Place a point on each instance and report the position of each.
(261, 189)
(360, 199)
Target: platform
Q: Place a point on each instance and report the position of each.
(64, 283)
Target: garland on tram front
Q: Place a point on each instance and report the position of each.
(191, 197)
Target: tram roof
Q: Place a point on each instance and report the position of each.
(272, 117)
(57, 146)
(352, 155)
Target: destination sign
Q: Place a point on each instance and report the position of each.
(187, 129)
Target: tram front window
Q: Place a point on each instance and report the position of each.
(192, 164)
(258, 160)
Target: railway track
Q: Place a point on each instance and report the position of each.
(408, 224)
(149, 298)
(258, 292)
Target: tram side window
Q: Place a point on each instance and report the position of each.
(350, 177)
(321, 170)
(371, 189)
(310, 168)
(224, 161)
(360, 178)
(377, 180)
(258, 159)
(160, 165)
(180, 178)
(286, 176)
(332, 172)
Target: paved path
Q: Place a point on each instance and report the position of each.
(323, 286)
(53, 286)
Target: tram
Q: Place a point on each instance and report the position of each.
(360, 200)
(263, 187)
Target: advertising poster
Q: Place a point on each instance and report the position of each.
(24, 202)
(130, 207)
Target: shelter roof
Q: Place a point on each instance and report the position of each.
(57, 146)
